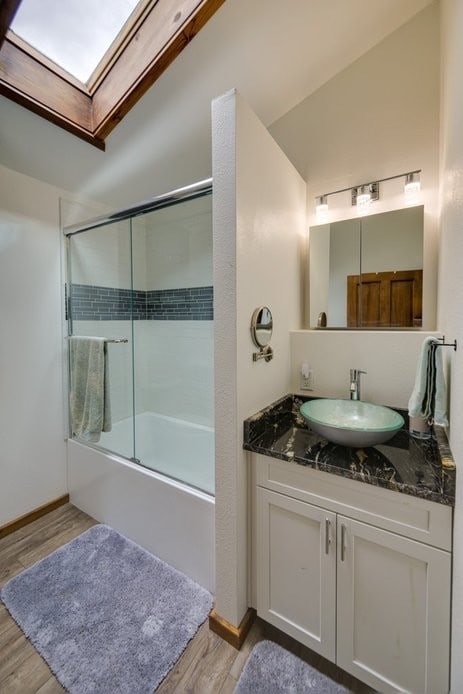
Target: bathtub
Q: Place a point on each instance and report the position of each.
(174, 447)
(161, 504)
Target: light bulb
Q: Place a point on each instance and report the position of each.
(412, 186)
(321, 205)
(363, 198)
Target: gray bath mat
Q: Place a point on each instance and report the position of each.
(271, 669)
(107, 616)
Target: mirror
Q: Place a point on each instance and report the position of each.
(261, 326)
(368, 272)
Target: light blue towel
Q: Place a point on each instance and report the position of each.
(440, 403)
(429, 397)
(89, 393)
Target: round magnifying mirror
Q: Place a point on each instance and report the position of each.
(262, 326)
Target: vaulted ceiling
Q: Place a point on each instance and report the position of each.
(275, 53)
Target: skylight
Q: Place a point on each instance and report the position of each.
(75, 34)
(83, 64)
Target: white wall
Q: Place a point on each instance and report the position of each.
(32, 460)
(259, 222)
(331, 354)
(451, 285)
(377, 118)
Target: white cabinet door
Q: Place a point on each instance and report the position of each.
(296, 569)
(393, 610)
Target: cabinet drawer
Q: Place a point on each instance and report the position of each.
(419, 519)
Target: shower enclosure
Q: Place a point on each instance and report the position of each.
(142, 278)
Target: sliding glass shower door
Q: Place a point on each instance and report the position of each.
(145, 284)
(173, 342)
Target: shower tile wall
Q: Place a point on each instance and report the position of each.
(174, 369)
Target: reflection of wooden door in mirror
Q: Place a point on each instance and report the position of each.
(385, 299)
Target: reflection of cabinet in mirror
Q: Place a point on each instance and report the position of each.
(385, 299)
(368, 272)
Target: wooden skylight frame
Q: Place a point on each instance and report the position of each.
(159, 31)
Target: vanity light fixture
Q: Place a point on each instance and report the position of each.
(365, 193)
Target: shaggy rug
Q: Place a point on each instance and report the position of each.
(270, 669)
(107, 616)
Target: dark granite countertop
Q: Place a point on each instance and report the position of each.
(420, 467)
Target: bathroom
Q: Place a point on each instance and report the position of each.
(395, 86)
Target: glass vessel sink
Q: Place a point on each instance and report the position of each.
(351, 422)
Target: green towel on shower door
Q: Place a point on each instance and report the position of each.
(89, 392)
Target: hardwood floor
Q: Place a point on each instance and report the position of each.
(208, 665)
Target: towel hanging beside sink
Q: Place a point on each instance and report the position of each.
(428, 400)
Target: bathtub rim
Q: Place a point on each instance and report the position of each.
(139, 467)
(138, 464)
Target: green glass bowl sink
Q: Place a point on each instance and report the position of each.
(351, 422)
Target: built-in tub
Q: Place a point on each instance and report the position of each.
(174, 447)
(169, 518)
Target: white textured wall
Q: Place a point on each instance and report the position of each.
(32, 459)
(332, 353)
(378, 117)
(259, 222)
(450, 311)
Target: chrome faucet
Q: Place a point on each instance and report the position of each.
(355, 383)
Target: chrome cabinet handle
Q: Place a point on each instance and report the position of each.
(327, 535)
(343, 541)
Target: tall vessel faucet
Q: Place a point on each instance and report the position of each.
(355, 383)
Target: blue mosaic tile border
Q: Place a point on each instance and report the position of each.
(91, 302)
(180, 304)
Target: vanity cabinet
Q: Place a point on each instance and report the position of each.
(350, 579)
(297, 570)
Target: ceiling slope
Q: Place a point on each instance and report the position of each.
(274, 53)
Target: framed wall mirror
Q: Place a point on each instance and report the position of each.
(368, 272)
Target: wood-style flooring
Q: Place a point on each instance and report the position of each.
(209, 665)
